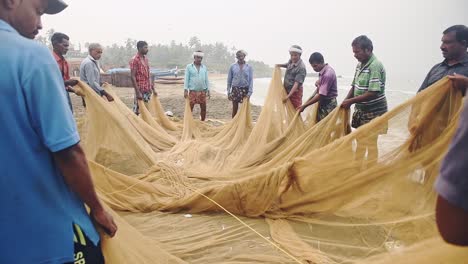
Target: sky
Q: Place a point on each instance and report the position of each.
(406, 33)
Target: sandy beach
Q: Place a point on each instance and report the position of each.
(172, 99)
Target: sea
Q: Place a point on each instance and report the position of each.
(397, 91)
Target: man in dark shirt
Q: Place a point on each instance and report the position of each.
(295, 76)
(454, 49)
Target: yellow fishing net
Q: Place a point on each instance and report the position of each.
(277, 191)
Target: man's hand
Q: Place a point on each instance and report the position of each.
(459, 81)
(185, 93)
(346, 104)
(317, 83)
(73, 165)
(71, 82)
(105, 220)
(139, 96)
(285, 99)
(70, 89)
(107, 96)
(300, 108)
(154, 90)
(208, 94)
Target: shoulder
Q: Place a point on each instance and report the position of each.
(134, 59)
(329, 72)
(56, 57)
(436, 66)
(35, 57)
(85, 62)
(376, 65)
(40, 53)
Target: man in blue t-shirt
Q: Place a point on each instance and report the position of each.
(44, 175)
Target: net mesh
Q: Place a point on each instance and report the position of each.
(278, 191)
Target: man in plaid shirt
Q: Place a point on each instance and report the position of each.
(141, 76)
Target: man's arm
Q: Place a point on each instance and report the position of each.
(459, 82)
(138, 94)
(250, 82)
(350, 93)
(186, 82)
(293, 90)
(229, 80)
(207, 83)
(346, 104)
(92, 78)
(298, 81)
(56, 128)
(93, 81)
(74, 167)
(364, 98)
(310, 102)
(359, 99)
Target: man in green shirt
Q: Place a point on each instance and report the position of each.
(367, 93)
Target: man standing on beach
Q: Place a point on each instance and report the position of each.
(60, 44)
(454, 49)
(327, 89)
(90, 72)
(196, 85)
(367, 93)
(240, 81)
(44, 172)
(294, 77)
(141, 76)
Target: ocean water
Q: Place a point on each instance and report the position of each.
(397, 92)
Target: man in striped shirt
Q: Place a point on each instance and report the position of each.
(367, 92)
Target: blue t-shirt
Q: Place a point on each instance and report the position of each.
(37, 207)
(452, 183)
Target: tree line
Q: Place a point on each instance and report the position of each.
(218, 56)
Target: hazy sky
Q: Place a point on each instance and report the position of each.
(406, 33)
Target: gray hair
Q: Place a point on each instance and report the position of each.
(243, 52)
(363, 42)
(94, 46)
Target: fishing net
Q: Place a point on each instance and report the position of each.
(282, 190)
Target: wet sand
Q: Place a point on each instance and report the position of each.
(172, 99)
